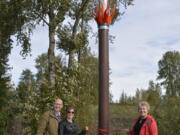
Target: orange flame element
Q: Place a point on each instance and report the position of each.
(102, 16)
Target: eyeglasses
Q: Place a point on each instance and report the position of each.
(70, 112)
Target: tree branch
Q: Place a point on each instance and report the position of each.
(79, 14)
(41, 17)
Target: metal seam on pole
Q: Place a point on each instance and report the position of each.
(103, 27)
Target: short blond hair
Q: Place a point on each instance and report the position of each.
(144, 103)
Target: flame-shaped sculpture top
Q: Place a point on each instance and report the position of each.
(103, 14)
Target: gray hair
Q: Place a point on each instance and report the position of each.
(144, 103)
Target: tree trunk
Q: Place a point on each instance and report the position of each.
(0, 37)
(84, 4)
(80, 48)
(71, 51)
(71, 58)
(51, 56)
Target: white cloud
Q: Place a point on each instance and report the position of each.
(147, 30)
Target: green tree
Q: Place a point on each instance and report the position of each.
(86, 90)
(169, 72)
(73, 37)
(15, 24)
(144, 95)
(137, 96)
(20, 18)
(26, 84)
(5, 48)
(42, 68)
(110, 97)
(123, 98)
(34, 12)
(167, 115)
(25, 90)
(154, 93)
(81, 91)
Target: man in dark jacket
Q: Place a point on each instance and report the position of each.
(48, 124)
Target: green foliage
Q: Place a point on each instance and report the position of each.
(5, 97)
(154, 93)
(42, 68)
(12, 20)
(73, 36)
(3, 122)
(5, 48)
(25, 93)
(34, 96)
(167, 115)
(166, 107)
(81, 90)
(122, 116)
(169, 72)
(123, 98)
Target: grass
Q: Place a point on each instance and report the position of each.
(122, 116)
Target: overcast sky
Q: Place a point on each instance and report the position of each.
(146, 31)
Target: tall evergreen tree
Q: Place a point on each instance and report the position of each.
(169, 72)
(25, 90)
(5, 48)
(123, 98)
(154, 93)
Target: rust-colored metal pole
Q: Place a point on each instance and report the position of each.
(103, 76)
(103, 17)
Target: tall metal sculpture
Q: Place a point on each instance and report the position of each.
(103, 17)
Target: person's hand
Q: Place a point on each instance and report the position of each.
(86, 128)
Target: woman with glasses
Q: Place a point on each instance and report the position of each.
(68, 126)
